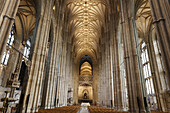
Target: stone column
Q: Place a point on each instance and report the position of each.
(55, 72)
(40, 72)
(50, 76)
(57, 68)
(108, 70)
(58, 56)
(135, 89)
(100, 79)
(114, 84)
(115, 71)
(65, 58)
(72, 76)
(122, 69)
(115, 60)
(65, 83)
(161, 19)
(76, 79)
(3, 8)
(52, 85)
(154, 71)
(103, 76)
(68, 70)
(7, 16)
(111, 72)
(117, 74)
(158, 77)
(61, 87)
(60, 90)
(95, 83)
(38, 58)
(64, 73)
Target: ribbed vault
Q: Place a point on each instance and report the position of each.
(85, 18)
(26, 13)
(143, 19)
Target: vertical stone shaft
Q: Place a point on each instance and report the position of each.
(76, 78)
(107, 71)
(111, 72)
(115, 60)
(52, 61)
(103, 98)
(161, 19)
(135, 94)
(100, 79)
(155, 73)
(58, 55)
(117, 71)
(55, 67)
(51, 79)
(61, 76)
(64, 75)
(7, 16)
(68, 69)
(38, 57)
(58, 76)
(104, 75)
(42, 59)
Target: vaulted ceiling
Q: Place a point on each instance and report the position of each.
(86, 18)
(144, 19)
(26, 13)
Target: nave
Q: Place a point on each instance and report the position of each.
(57, 54)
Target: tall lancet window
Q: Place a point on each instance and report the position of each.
(9, 45)
(148, 77)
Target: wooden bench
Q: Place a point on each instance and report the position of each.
(158, 111)
(65, 109)
(103, 110)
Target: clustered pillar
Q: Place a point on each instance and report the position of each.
(8, 12)
(135, 89)
(161, 19)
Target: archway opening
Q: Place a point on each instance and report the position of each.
(85, 89)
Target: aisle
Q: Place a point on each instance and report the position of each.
(83, 110)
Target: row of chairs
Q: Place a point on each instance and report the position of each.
(158, 111)
(93, 109)
(65, 109)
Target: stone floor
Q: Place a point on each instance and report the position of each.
(83, 110)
